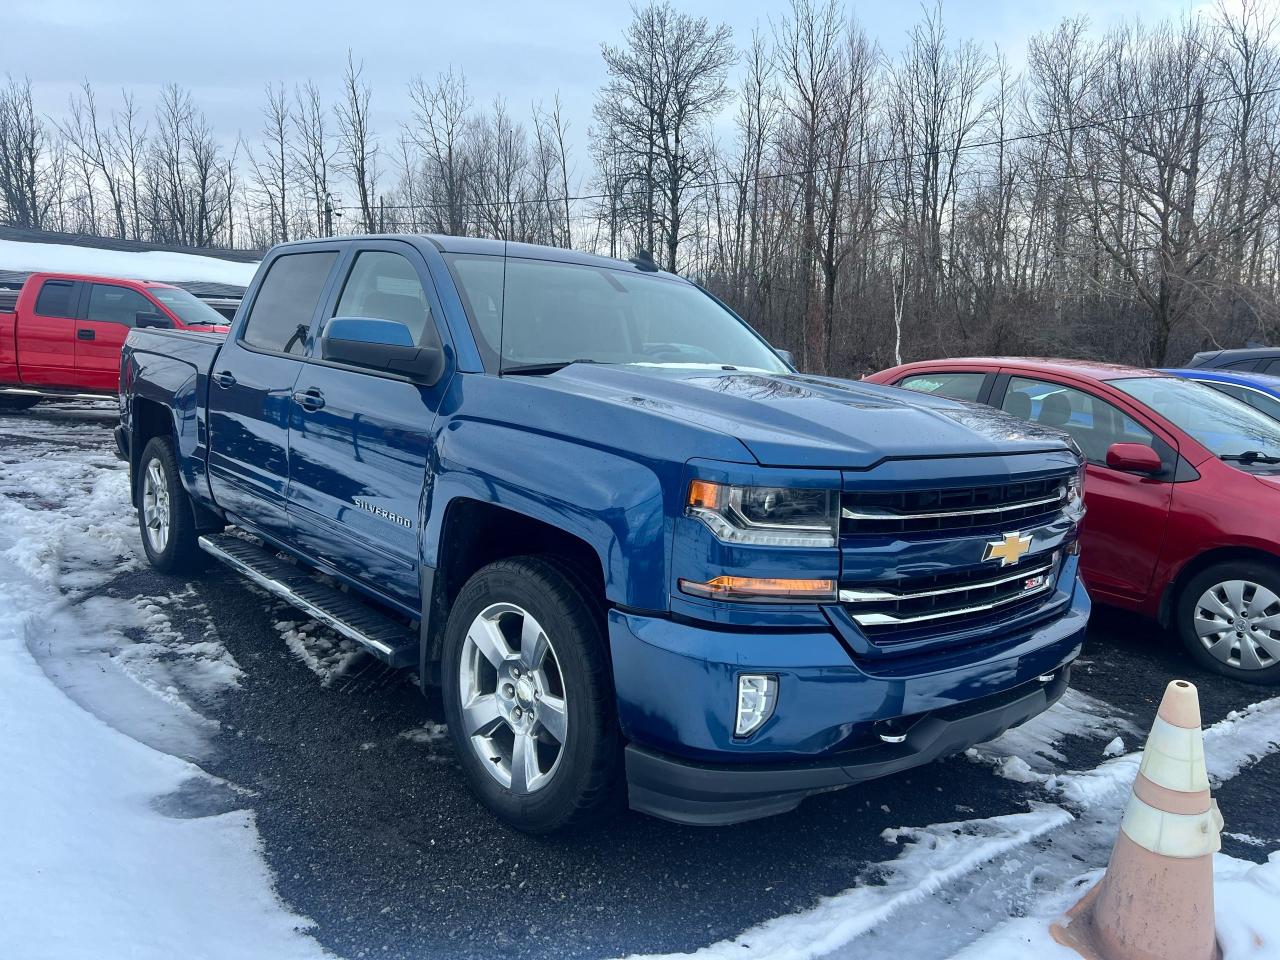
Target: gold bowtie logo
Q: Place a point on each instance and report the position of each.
(1008, 550)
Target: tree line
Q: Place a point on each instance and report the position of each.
(1115, 196)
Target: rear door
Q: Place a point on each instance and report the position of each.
(109, 314)
(1124, 528)
(361, 440)
(251, 388)
(47, 336)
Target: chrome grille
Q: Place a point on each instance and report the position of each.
(942, 509)
(951, 600)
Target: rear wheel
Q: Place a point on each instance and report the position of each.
(18, 402)
(528, 697)
(165, 518)
(1229, 620)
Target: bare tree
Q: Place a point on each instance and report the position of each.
(357, 145)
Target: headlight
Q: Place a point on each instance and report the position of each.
(1075, 496)
(767, 516)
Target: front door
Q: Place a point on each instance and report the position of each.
(361, 441)
(251, 389)
(1124, 526)
(100, 333)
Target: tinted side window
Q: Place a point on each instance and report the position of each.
(1272, 367)
(1092, 422)
(111, 304)
(55, 299)
(286, 301)
(384, 286)
(957, 386)
(1242, 364)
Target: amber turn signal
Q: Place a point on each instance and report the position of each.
(760, 588)
(704, 493)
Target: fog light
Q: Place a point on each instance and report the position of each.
(757, 696)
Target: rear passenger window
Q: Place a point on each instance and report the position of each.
(55, 299)
(286, 301)
(957, 386)
(1272, 367)
(111, 304)
(384, 286)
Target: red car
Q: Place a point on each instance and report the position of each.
(1182, 491)
(64, 335)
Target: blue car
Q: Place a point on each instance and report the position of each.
(1259, 390)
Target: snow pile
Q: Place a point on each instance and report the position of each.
(111, 847)
(1036, 741)
(21, 256)
(327, 654)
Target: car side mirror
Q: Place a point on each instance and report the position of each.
(380, 345)
(786, 355)
(158, 320)
(1133, 458)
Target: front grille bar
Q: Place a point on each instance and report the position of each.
(869, 596)
(889, 619)
(849, 513)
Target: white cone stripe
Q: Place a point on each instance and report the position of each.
(1174, 758)
(1172, 834)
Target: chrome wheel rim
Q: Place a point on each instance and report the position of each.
(1238, 622)
(155, 506)
(514, 711)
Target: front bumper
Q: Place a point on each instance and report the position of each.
(676, 682)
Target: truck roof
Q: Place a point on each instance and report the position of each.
(127, 281)
(484, 247)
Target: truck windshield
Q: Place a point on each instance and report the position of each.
(187, 308)
(1231, 429)
(539, 315)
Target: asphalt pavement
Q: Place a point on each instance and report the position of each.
(371, 832)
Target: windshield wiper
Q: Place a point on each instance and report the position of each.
(541, 369)
(1248, 457)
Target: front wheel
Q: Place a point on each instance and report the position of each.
(165, 519)
(1229, 620)
(527, 694)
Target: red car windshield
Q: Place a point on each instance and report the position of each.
(1233, 430)
(188, 309)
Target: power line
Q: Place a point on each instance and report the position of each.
(873, 161)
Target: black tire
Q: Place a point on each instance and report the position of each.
(18, 402)
(180, 553)
(1256, 572)
(583, 786)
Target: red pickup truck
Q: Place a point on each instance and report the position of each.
(64, 334)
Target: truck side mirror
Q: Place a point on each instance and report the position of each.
(1133, 458)
(380, 345)
(158, 320)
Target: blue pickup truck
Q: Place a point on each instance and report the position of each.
(638, 554)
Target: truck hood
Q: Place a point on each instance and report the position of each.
(795, 420)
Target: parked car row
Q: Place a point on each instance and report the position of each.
(64, 334)
(1182, 489)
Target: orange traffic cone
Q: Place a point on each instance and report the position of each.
(1155, 901)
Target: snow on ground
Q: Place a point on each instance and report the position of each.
(988, 889)
(327, 654)
(1034, 745)
(111, 847)
(149, 265)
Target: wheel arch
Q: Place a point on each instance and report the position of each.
(1201, 562)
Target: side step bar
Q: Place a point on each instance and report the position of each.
(389, 641)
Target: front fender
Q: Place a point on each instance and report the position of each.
(614, 503)
(170, 385)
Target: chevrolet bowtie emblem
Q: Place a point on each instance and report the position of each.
(1008, 550)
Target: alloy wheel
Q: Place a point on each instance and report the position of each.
(155, 506)
(512, 694)
(1238, 621)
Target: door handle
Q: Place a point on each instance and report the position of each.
(309, 399)
(224, 379)
(85, 334)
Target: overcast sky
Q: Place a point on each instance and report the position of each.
(224, 51)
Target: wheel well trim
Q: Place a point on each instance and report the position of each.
(1201, 562)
